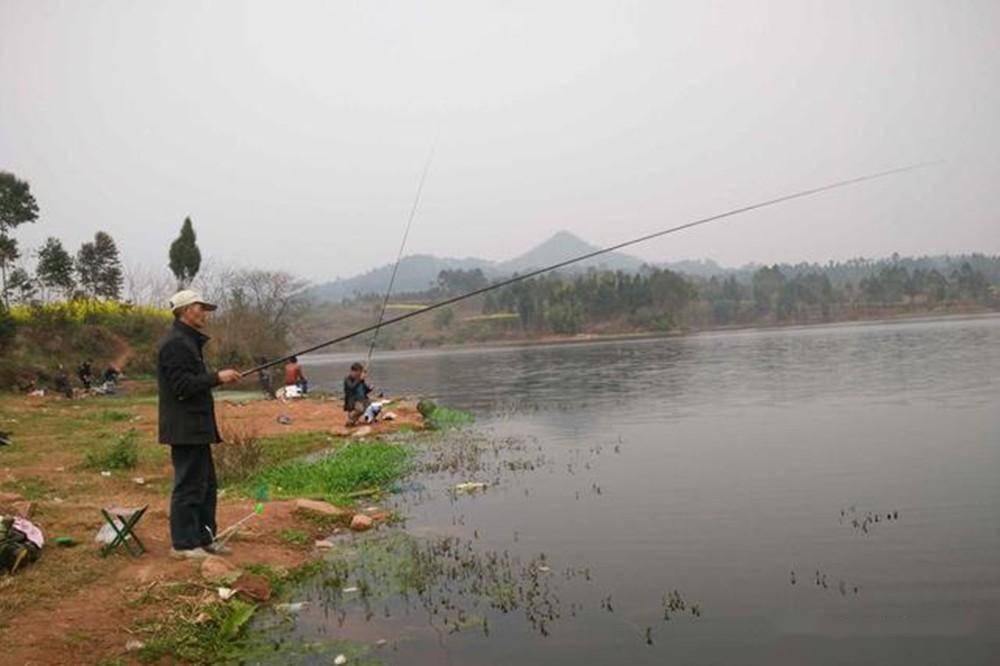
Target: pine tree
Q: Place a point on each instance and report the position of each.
(99, 269)
(22, 285)
(87, 269)
(109, 277)
(185, 257)
(55, 267)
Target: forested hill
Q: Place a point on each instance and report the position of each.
(420, 273)
(661, 299)
(655, 299)
(416, 273)
(841, 273)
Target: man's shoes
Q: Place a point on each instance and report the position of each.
(218, 549)
(189, 553)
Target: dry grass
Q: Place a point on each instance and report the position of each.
(240, 455)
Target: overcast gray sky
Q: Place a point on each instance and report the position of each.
(294, 133)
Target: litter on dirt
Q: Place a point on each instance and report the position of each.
(470, 487)
(291, 608)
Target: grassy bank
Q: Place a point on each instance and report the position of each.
(71, 457)
(47, 335)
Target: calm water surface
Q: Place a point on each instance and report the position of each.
(725, 467)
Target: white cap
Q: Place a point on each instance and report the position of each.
(187, 297)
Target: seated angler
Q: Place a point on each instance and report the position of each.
(85, 373)
(356, 391)
(294, 377)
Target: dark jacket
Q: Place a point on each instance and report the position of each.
(355, 390)
(187, 409)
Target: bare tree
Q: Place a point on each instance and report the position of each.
(146, 285)
(259, 311)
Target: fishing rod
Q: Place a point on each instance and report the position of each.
(596, 253)
(399, 257)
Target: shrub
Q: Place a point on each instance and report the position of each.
(123, 453)
(8, 327)
(239, 455)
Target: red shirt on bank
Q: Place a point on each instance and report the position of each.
(293, 374)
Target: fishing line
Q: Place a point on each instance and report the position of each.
(399, 256)
(589, 255)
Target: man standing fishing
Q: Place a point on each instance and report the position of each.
(187, 425)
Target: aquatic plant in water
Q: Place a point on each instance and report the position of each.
(445, 577)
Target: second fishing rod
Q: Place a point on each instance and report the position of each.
(590, 255)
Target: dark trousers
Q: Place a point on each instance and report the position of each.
(192, 503)
(357, 411)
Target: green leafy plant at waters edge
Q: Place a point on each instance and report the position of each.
(357, 466)
(212, 640)
(441, 418)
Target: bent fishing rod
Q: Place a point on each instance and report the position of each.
(596, 253)
(399, 257)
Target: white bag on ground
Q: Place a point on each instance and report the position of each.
(372, 412)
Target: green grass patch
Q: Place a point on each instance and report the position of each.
(112, 416)
(295, 537)
(31, 488)
(123, 453)
(283, 580)
(357, 466)
(280, 448)
(242, 457)
(134, 399)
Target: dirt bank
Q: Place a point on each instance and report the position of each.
(72, 606)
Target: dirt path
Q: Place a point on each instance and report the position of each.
(124, 353)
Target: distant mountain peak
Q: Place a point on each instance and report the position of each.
(419, 271)
(564, 245)
(565, 239)
(563, 236)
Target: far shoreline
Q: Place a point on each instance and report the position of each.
(590, 338)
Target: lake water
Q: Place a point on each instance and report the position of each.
(743, 470)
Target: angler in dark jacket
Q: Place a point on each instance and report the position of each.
(187, 424)
(356, 390)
